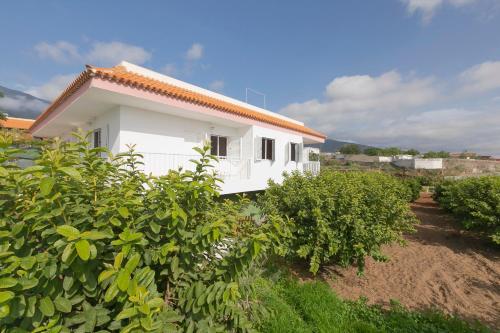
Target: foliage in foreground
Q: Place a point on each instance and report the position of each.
(313, 307)
(476, 201)
(90, 244)
(341, 217)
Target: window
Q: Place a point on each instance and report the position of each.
(97, 138)
(294, 152)
(218, 146)
(267, 149)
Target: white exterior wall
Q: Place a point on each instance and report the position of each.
(263, 170)
(429, 163)
(157, 135)
(109, 123)
(421, 163)
(154, 134)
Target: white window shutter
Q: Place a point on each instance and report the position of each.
(258, 148)
(234, 147)
(274, 150)
(301, 152)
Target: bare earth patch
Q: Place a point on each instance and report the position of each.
(441, 267)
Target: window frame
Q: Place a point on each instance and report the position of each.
(217, 145)
(265, 143)
(294, 152)
(97, 133)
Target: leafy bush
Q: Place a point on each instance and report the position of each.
(414, 187)
(476, 201)
(340, 217)
(92, 244)
(350, 148)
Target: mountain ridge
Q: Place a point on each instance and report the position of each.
(19, 104)
(332, 146)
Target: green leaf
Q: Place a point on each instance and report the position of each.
(6, 296)
(126, 313)
(83, 249)
(71, 233)
(72, 172)
(144, 308)
(154, 227)
(123, 211)
(94, 235)
(62, 304)
(4, 310)
(7, 282)
(28, 283)
(171, 317)
(68, 250)
(46, 185)
(47, 307)
(132, 262)
(104, 275)
(114, 221)
(118, 260)
(123, 280)
(111, 292)
(156, 302)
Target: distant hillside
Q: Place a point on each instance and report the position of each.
(21, 105)
(332, 146)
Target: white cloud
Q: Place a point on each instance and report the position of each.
(217, 85)
(52, 88)
(169, 69)
(100, 53)
(60, 51)
(428, 7)
(363, 97)
(195, 52)
(21, 106)
(113, 52)
(481, 78)
(393, 110)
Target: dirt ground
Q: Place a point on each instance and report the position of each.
(441, 266)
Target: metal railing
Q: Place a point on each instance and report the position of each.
(312, 167)
(226, 168)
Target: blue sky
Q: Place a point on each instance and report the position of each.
(412, 73)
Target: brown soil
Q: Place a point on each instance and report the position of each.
(441, 266)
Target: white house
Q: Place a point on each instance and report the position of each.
(165, 118)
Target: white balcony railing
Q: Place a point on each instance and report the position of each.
(226, 168)
(312, 167)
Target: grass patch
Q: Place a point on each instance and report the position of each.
(314, 307)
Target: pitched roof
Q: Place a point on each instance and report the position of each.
(19, 123)
(120, 75)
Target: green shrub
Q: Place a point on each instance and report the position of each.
(414, 186)
(341, 217)
(476, 201)
(92, 244)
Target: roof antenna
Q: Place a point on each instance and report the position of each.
(255, 92)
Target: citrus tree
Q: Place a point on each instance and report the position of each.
(340, 217)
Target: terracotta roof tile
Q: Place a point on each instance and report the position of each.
(120, 75)
(19, 123)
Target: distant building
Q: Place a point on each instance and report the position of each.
(465, 155)
(16, 123)
(420, 163)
